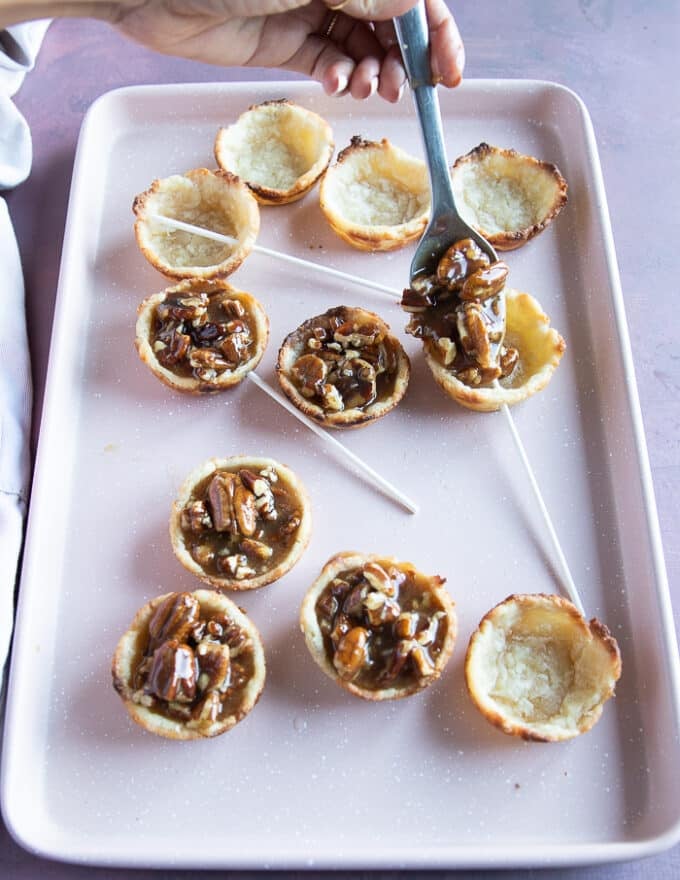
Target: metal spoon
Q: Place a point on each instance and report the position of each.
(446, 225)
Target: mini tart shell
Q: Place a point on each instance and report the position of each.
(508, 197)
(297, 548)
(309, 624)
(215, 200)
(294, 346)
(257, 319)
(369, 181)
(278, 148)
(134, 640)
(540, 349)
(593, 660)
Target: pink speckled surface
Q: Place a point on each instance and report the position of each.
(620, 58)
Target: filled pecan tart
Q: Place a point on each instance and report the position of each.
(201, 336)
(190, 665)
(240, 523)
(344, 368)
(377, 626)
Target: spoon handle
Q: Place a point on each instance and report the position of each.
(413, 37)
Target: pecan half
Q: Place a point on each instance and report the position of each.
(174, 618)
(221, 498)
(172, 676)
(351, 653)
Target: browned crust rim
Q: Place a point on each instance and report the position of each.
(292, 484)
(292, 348)
(314, 639)
(186, 384)
(154, 722)
(219, 270)
(490, 399)
(267, 195)
(592, 629)
(512, 239)
(369, 237)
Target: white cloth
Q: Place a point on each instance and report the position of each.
(18, 49)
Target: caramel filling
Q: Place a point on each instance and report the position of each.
(382, 626)
(344, 363)
(202, 336)
(192, 664)
(241, 523)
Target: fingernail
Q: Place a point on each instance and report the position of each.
(400, 93)
(374, 86)
(343, 82)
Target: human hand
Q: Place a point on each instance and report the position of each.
(353, 50)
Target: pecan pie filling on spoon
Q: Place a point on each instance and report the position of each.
(485, 344)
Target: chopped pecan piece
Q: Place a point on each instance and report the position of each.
(188, 308)
(350, 334)
(508, 361)
(176, 348)
(309, 372)
(379, 579)
(460, 260)
(331, 397)
(196, 518)
(380, 609)
(207, 364)
(235, 347)
(232, 307)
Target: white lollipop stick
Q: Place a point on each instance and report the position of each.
(373, 477)
(569, 584)
(306, 264)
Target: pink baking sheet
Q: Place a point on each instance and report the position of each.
(315, 777)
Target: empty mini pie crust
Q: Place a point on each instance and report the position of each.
(224, 346)
(506, 196)
(200, 671)
(540, 349)
(535, 668)
(278, 148)
(344, 339)
(376, 197)
(214, 200)
(378, 627)
(222, 530)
